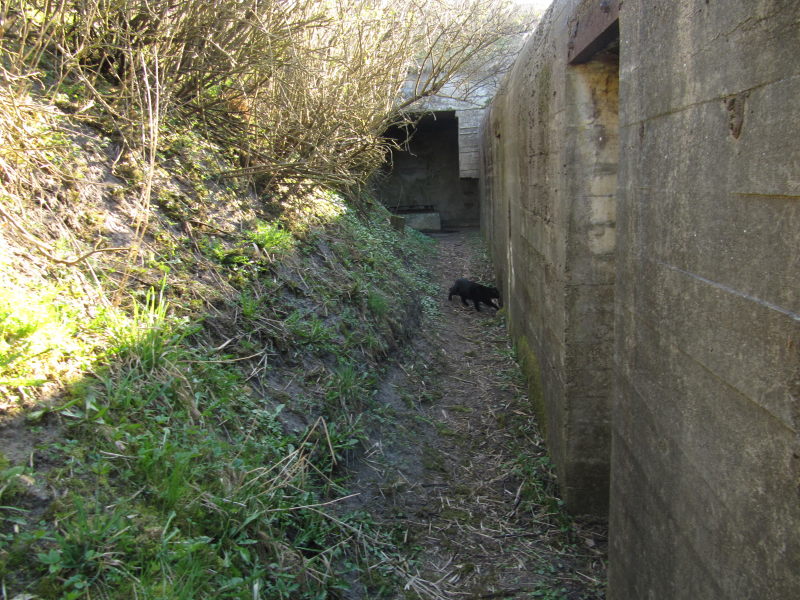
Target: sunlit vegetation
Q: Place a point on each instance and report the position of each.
(177, 476)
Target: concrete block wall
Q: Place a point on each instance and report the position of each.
(469, 122)
(702, 238)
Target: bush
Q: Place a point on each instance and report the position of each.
(299, 90)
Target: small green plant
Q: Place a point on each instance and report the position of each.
(271, 238)
(149, 336)
(308, 328)
(377, 303)
(249, 303)
(93, 548)
(9, 481)
(539, 493)
(346, 385)
(213, 248)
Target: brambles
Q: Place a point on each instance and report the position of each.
(299, 91)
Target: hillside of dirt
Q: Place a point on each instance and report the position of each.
(185, 365)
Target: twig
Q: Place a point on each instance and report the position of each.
(45, 249)
(204, 224)
(334, 501)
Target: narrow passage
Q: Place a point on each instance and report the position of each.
(457, 468)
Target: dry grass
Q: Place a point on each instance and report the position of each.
(461, 468)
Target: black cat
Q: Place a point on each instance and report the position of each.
(469, 290)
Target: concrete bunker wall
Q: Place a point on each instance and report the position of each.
(706, 453)
(705, 377)
(548, 210)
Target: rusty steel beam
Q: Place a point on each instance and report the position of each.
(594, 27)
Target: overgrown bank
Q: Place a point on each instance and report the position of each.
(174, 425)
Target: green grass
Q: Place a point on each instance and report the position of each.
(271, 238)
(377, 303)
(308, 328)
(32, 330)
(177, 474)
(194, 486)
(44, 335)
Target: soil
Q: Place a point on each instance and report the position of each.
(444, 467)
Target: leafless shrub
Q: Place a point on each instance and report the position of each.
(300, 90)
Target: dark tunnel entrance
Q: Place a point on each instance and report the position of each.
(422, 181)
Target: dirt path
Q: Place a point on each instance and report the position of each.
(457, 467)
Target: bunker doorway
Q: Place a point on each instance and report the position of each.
(422, 181)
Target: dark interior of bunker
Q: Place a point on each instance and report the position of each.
(422, 179)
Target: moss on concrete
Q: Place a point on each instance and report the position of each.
(529, 363)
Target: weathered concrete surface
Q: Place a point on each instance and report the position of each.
(469, 123)
(425, 221)
(705, 462)
(467, 98)
(706, 455)
(427, 174)
(550, 152)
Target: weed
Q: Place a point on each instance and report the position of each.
(308, 328)
(539, 493)
(271, 238)
(93, 548)
(9, 482)
(149, 337)
(249, 303)
(377, 303)
(348, 388)
(213, 248)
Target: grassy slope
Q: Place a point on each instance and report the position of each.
(174, 420)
